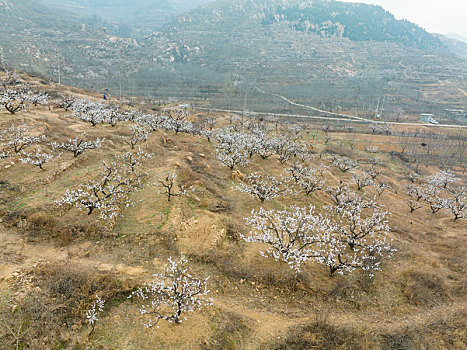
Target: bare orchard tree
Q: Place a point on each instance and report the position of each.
(381, 187)
(413, 204)
(262, 187)
(169, 188)
(291, 235)
(139, 134)
(38, 157)
(172, 294)
(111, 190)
(77, 146)
(306, 178)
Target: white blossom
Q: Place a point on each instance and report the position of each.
(306, 178)
(456, 204)
(92, 314)
(343, 163)
(77, 145)
(362, 180)
(112, 190)
(230, 147)
(18, 138)
(38, 158)
(139, 134)
(262, 187)
(292, 235)
(172, 294)
(443, 178)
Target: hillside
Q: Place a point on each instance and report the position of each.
(55, 259)
(33, 38)
(330, 55)
(132, 17)
(357, 22)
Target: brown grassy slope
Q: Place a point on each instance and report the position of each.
(53, 261)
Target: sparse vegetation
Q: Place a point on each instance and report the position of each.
(282, 220)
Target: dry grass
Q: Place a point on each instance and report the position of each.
(416, 302)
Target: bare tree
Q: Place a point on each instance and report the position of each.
(168, 187)
(413, 204)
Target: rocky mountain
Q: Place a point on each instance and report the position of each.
(84, 51)
(139, 16)
(322, 51)
(325, 53)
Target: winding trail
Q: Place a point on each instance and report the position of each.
(333, 115)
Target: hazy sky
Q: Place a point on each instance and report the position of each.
(436, 16)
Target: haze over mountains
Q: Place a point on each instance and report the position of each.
(141, 15)
(325, 53)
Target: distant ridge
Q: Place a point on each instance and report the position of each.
(457, 37)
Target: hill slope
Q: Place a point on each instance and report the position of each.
(313, 52)
(327, 54)
(55, 259)
(140, 16)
